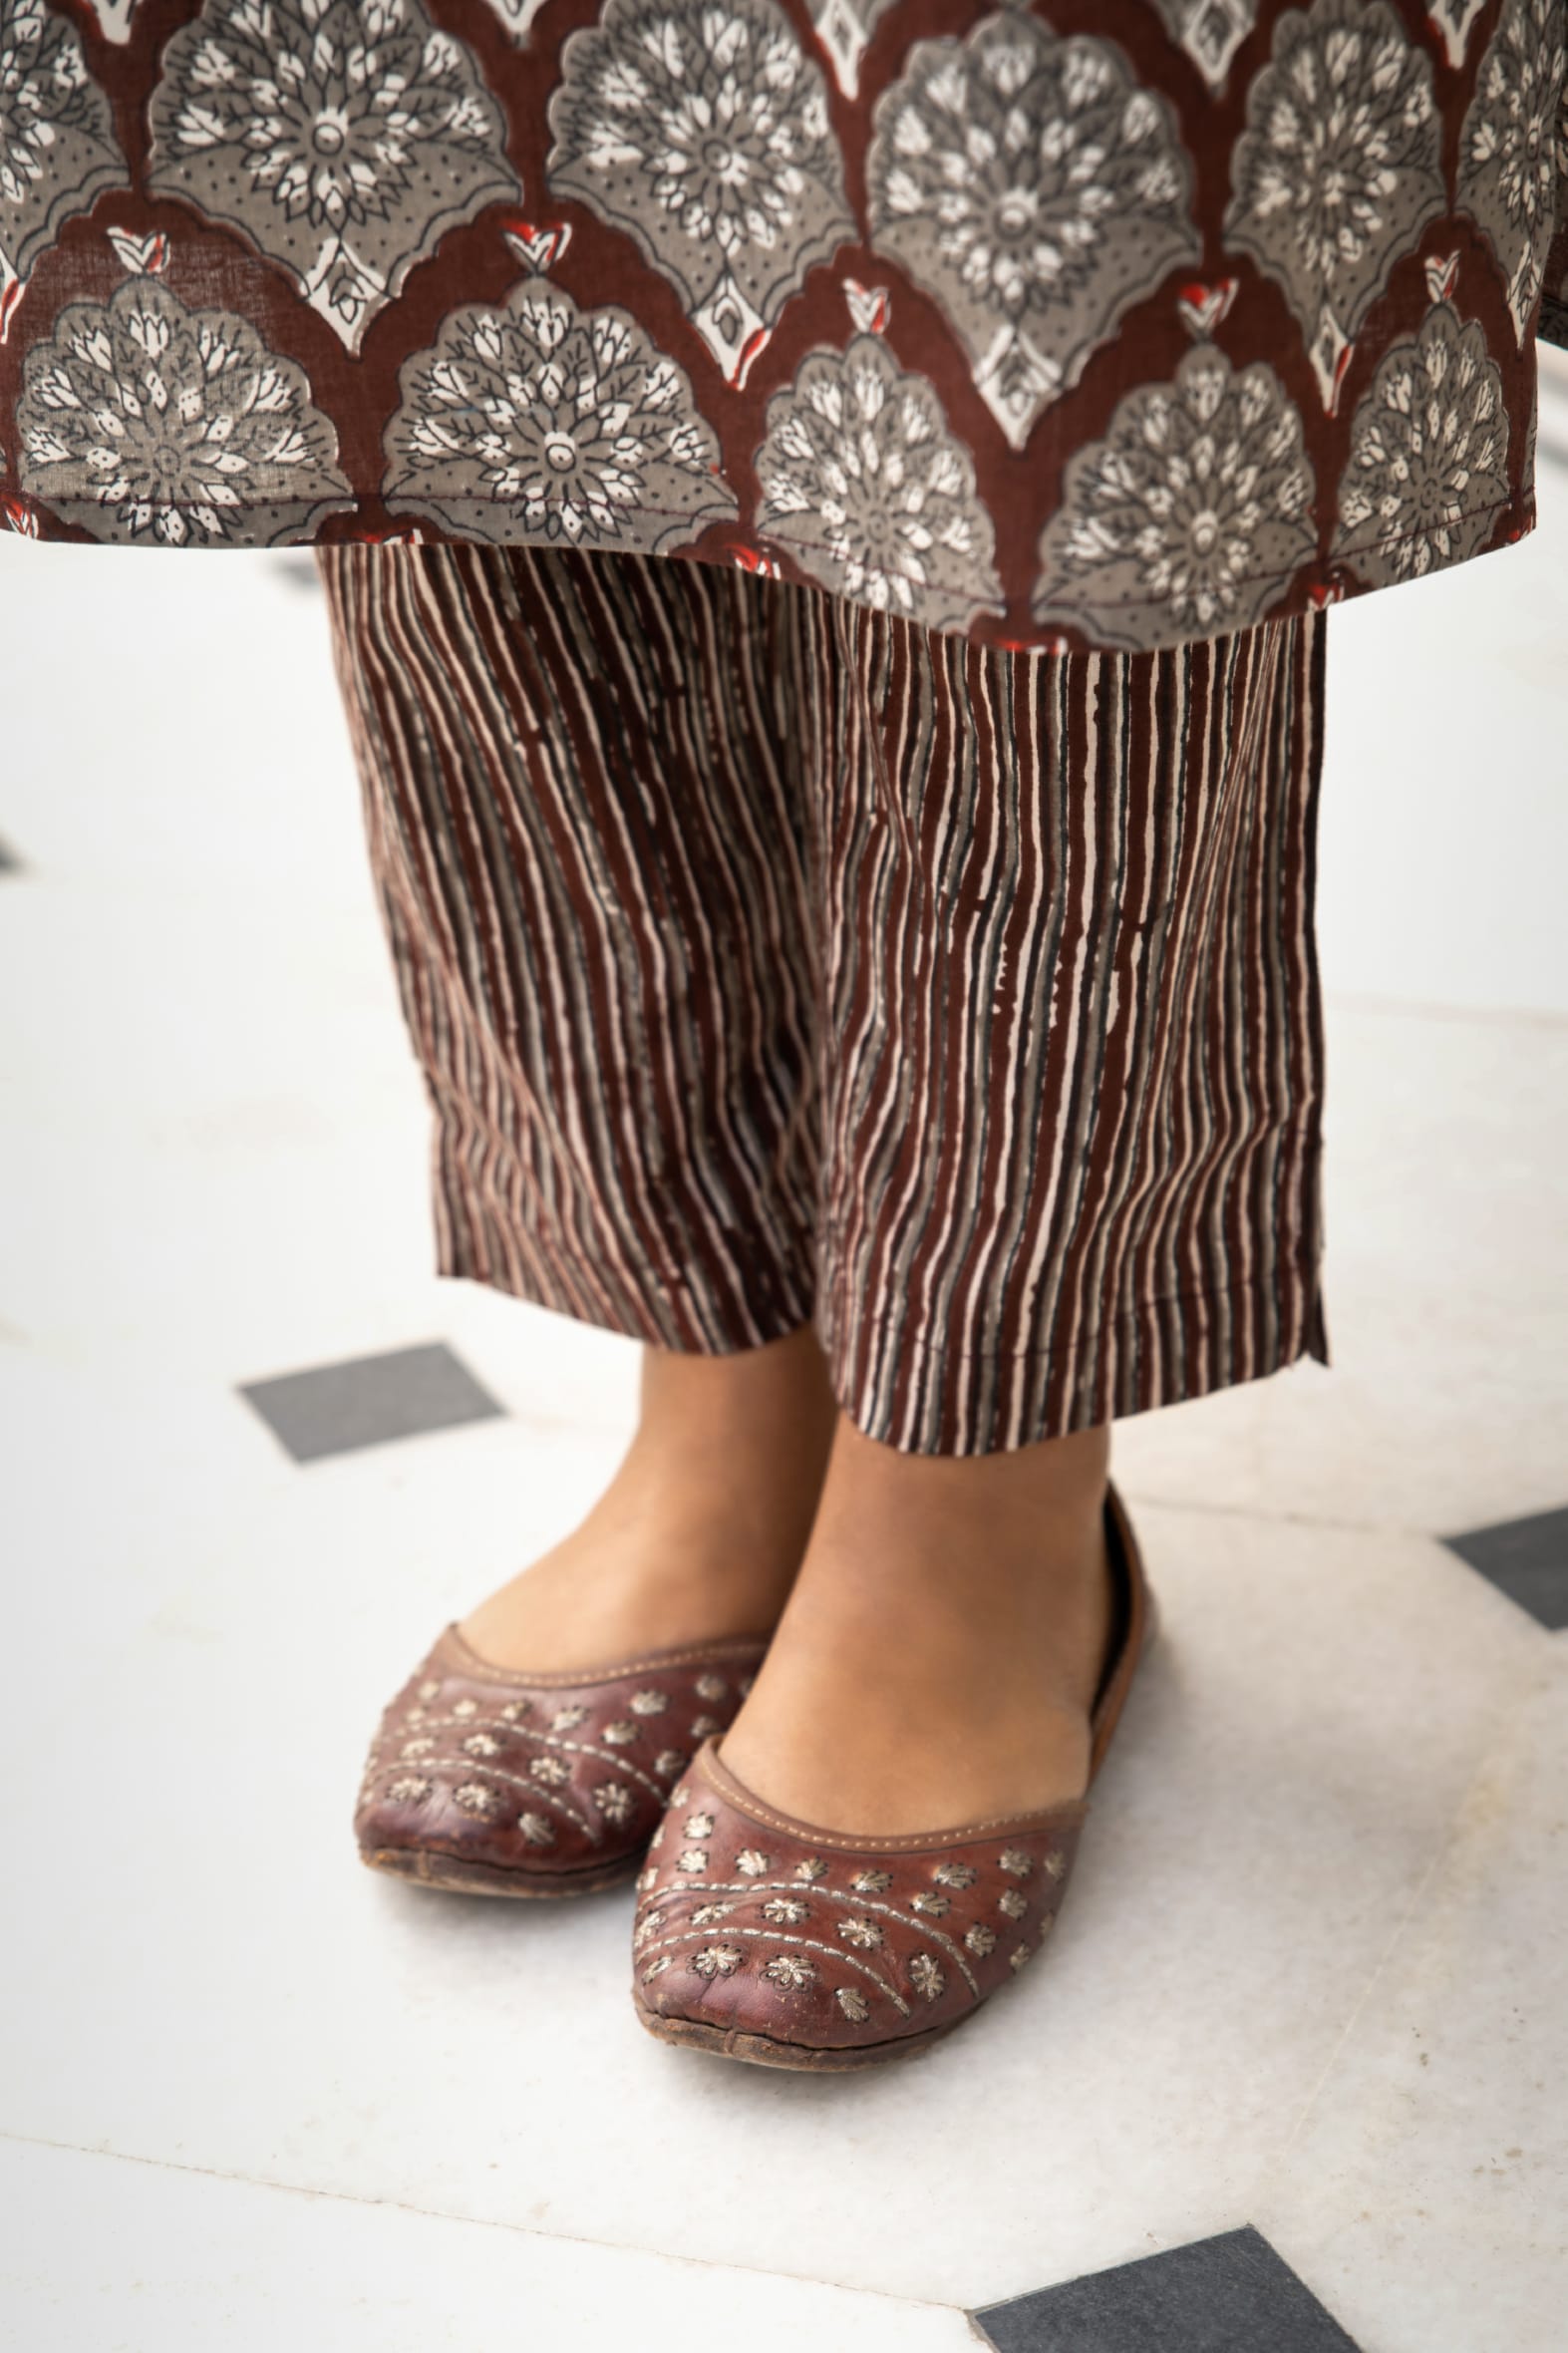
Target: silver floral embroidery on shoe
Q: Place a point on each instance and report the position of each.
(614, 1801)
(811, 1866)
(790, 1970)
(717, 1960)
(538, 1828)
(1055, 1864)
(620, 1733)
(669, 1760)
(706, 1915)
(926, 1976)
(569, 1719)
(473, 1798)
(482, 1744)
(751, 1863)
(692, 1858)
(853, 2004)
(648, 1703)
(549, 1771)
(422, 1747)
(1018, 1956)
(408, 1790)
(980, 1940)
(703, 1727)
(699, 1825)
(648, 1878)
(430, 1688)
(1016, 1861)
(931, 1904)
(465, 1707)
(513, 1710)
(872, 1882)
(657, 1966)
(955, 1874)
(709, 1686)
(1013, 1903)
(864, 1934)
(785, 1911)
(658, 1837)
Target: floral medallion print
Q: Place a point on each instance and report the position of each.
(1210, 31)
(1453, 19)
(1337, 172)
(1031, 187)
(342, 137)
(844, 28)
(1508, 165)
(1428, 468)
(866, 487)
(147, 423)
(58, 149)
(1188, 518)
(542, 421)
(701, 127)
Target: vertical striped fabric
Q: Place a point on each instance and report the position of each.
(772, 959)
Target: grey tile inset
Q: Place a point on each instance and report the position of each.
(1230, 2294)
(334, 1408)
(1525, 1558)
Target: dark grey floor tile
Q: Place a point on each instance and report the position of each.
(369, 1400)
(1230, 2294)
(1525, 1558)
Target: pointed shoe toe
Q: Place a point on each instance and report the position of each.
(488, 1782)
(760, 1937)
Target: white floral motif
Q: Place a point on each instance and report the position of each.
(1013, 1903)
(1210, 31)
(465, 1707)
(1508, 165)
(955, 1874)
(865, 485)
(709, 1686)
(700, 1826)
(513, 1709)
(932, 1905)
(1427, 474)
(980, 1940)
(703, 1727)
(692, 1858)
(145, 423)
(614, 1801)
(567, 1719)
(417, 1748)
(1017, 1861)
(1055, 1864)
(343, 137)
(717, 1960)
(648, 1703)
(1339, 169)
(811, 1867)
(473, 1798)
(701, 127)
(408, 1790)
(926, 1977)
(480, 1744)
(430, 1688)
(542, 422)
(1018, 1956)
(548, 1771)
(1189, 518)
(669, 1760)
(790, 1970)
(58, 148)
(1030, 185)
(785, 1911)
(864, 1933)
(751, 1864)
(657, 1966)
(536, 1829)
(872, 1882)
(707, 1914)
(854, 2003)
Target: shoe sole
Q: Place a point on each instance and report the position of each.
(422, 1866)
(761, 2050)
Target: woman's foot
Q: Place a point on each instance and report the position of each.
(943, 1641)
(699, 1535)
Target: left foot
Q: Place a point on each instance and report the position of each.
(939, 1656)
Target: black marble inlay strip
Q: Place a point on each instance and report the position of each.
(333, 1408)
(1230, 2295)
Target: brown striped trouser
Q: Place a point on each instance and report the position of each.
(771, 960)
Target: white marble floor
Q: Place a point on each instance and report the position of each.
(1312, 1975)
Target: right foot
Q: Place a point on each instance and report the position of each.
(699, 1535)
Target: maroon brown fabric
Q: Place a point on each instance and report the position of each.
(1110, 323)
